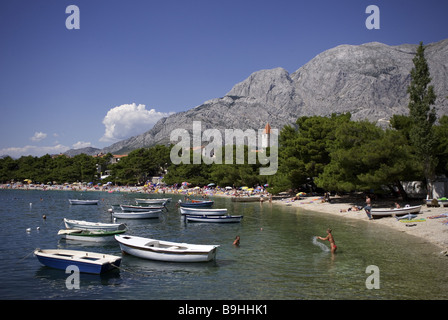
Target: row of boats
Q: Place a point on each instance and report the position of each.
(146, 248)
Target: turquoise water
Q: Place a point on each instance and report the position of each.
(277, 258)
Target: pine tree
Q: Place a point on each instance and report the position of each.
(423, 116)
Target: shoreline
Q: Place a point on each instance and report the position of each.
(434, 231)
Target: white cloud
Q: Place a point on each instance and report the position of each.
(81, 144)
(128, 120)
(36, 151)
(38, 136)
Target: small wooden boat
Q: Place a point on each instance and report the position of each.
(88, 235)
(197, 204)
(213, 219)
(203, 211)
(165, 250)
(77, 201)
(154, 214)
(386, 212)
(94, 226)
(153, 201)
(88, 262)
(140, 208)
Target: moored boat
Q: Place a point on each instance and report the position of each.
(78, 201)
(197, 204)
(386, 212)
(160, 250)
(88, 262)
(153, 201)
(88, 235)
(214, 219)
(95, 226)
(154, 214)
(203, 211)
(140, 208)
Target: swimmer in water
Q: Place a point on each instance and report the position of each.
(237, 241)
(330, 238)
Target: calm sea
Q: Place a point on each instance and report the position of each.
(277, 258)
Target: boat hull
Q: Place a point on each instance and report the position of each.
(93, 226)
(83, 202)
(203, 211)
(153, 201)
(214, 219)
(199, 204)
(385, 212)
(89, 236)
(152, 249)
(137, 215)
(140, 208)
(87, 262)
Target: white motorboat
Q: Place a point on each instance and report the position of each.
(386, 212)
(94, 226)
(214, 219)
(203, 211)
(154, 214)
(153, 201)
(160, 250)
(77, 201)
(140, 208)
(89, 235)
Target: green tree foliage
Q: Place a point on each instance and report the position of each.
(423, 116)
(441, 149)
(304, 152)
(140, 165)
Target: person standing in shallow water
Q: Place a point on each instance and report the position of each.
(330, 238)
(368, 208)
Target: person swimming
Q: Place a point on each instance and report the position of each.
(330, 238)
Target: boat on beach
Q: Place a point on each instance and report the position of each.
(83, 202)
(203, 211)
(93, 226)
(154, 214)
(89, 235)
(197, 204)
(213, 219)
(387, 212)
(160, 250)
(87, 262)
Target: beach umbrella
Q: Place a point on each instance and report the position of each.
(210, 185)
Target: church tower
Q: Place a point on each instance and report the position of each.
(266, 137)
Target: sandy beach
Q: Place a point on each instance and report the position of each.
(433, 230)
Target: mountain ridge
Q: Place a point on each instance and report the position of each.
(367, 80)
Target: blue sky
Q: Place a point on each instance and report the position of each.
(132, 62)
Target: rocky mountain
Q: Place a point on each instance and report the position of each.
(90, 151)
(368, 80)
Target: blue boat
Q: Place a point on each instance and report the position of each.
(87, 262)
(197, 204)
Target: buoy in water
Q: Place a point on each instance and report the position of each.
(28, 230)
